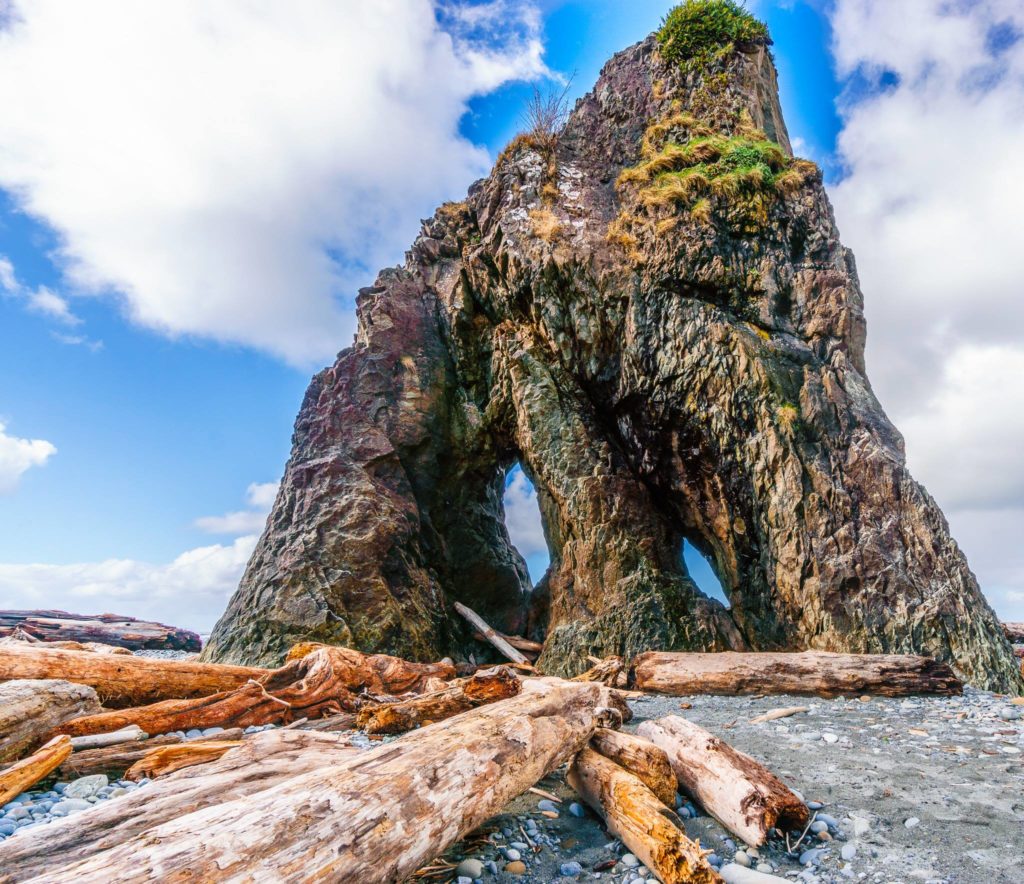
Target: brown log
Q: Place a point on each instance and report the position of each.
(645, 825)
(320, 683)
(743, 795)
(263, 761)
(117, 759)
(375, 817)
(814, 673)
(490, 634)
(26, 773)
(1014, 632)
(609, 671)
(110, 629)
(124, 680)
(164, 760)
(484, 687)
(373, 673)
(641, 758)
(31, 708)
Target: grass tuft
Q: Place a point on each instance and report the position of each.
(695, 32)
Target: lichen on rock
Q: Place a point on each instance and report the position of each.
(663, 369)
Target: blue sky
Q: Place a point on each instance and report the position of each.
(184, 254)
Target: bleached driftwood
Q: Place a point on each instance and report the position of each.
(123, 680)
(487, 686)
(26, 773)
(743, 795)
(119, 758)
(164, 760)
(131, 734)
(641, 758)
(646, 826)
(490, 634)
(261, 762)
(817, 673)
(373, 818)
(31, 708)
(109, 629)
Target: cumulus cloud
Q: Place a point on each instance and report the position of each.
(235, 170)
(522, 516)
(18, 456)
(933, 126)
(190, 591)
(259, 497)
(40, 300)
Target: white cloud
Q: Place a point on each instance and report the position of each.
(78, 341)
(190, 591)
(931, 207)
(259, 497)
(522, 516)
(44, 301)
(234, 170)
(19, 455)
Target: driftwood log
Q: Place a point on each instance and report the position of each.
(640, 757)
(483, 687)
(1014, 632)
(634, 814)
(323, 682)
(31, 708)
(18, 637)
(131, 734)
(263, 761)
(743, 795)
(491, 635)
(119, 758)
(123, 680)
(109, 629)
(165, 760)
(376, 817)
(26, 773)
(816, 673)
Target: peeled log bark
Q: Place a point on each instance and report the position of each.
(376, 673)
(633, 813)
(320, 683)
(31, 708)
(261, 762)
(376, 817)
(165, 760)
(117, 759)
(109, 629)
(29, 771)
(124, 680)
(641, 758)
(484, 687)
(744, 796)
(815, 673)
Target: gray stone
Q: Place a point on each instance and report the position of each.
(742, 859)
(570, 870)
(470, 868)
(69, 806)
(849, 851)
(576, 809)
(911, 822)
(629, 861)
(86, 787)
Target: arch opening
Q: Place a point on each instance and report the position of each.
(524, 523)
(702, 573)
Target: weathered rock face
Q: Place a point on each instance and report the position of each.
(664, 367)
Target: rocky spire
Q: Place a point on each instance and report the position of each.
(651, 312)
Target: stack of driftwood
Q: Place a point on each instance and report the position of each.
(301, 802)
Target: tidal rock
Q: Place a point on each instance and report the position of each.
(667, 362)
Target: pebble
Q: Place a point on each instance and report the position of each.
(741, 859)
(570, 870)
(860, 826)
(193, 733)
(519, 845)
(830, 737)
(848, 852)
(629, 861)
(86, 787)
(911, 822)
(814, 805)
(811, 857)
(577, 810)
(512, 854)
(7, 827)
(69, 806)
(819, 826)
(17, 813)
(544, 804)
(516, 868)
(470, 868)
(765, 868)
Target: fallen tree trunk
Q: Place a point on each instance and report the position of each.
(817, 673)
(19, 637)
(108, 629)
(117, 759)
(261, 762)
(31, 708)
(744, 796)
(164, 760)
(484, 687)
(375, 817)
(373, 673)
(124, 680)
(641, 758)
(490, 634)
(645, 825)
(29, 771)
(609, 671)
(320, 683)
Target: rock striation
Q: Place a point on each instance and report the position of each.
(653, 314)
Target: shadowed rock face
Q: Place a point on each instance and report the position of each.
(662, 370)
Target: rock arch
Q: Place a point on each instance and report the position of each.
(660, 370)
